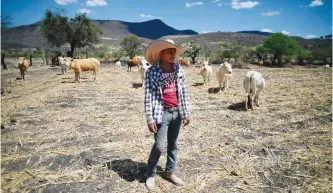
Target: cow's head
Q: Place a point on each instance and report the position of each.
(227, 67)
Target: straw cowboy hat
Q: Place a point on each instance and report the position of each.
(153, 50)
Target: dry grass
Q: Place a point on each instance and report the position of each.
(89, 137)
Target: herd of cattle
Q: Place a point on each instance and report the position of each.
(253, 82)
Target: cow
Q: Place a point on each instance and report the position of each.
(133, 63)
(79, 65)
(253, 84)
(23, 65)
(223, 74)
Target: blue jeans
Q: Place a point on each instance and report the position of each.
(168, 130)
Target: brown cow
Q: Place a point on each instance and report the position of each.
(79, 65)
(184, 62)
(260, 63)
(132, 63)
(23, 66)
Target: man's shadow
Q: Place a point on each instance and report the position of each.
(130, 170)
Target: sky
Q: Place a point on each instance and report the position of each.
(305, 18)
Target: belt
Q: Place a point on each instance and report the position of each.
(171, 109)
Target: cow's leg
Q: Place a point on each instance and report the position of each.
(256, 98)
(220, 85)
(94, 76)
(247, 98)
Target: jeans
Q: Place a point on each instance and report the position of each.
(168, 130)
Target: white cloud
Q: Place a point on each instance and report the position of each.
(84, 10)
(65, 2)
(310, 36)
(270, 13)
(220, 4)
(316, 3)
(93, 3)
(215, 1)
(204, 32)
(192, 4)
(149, 16)
(243, 5)
(267, 30)
(285, 32)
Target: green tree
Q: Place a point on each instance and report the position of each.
(301, 55)
(78, 32)
(131, 45)
(236, 52)
(192, 51)
(102, 50)
(117, 55)
(280, 45)
(248, 53)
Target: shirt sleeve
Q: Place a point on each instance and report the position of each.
(185, 96)
(148, 99)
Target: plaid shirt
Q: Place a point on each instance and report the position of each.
(153, 94)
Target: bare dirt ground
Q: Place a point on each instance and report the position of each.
(92, 137)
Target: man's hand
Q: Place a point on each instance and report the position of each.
(186, 122)
(152, 127)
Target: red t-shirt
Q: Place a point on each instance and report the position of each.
(169, 90)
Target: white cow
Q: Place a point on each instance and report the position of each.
(224, 73)
(144, 65)
(64, 63)
(253, 83)
(118, 64)
(206, 72)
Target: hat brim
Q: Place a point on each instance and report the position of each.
(153, 50)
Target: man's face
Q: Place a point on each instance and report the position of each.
(168, 55)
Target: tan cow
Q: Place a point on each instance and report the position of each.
(79, 65)
(23, 65)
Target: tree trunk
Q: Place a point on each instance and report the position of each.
(4, 66)
(86, 52)
(72, 50)
(30, 56)
(193, 60)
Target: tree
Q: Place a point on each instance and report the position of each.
(236, 52)
(117, 55)
(78, 32)
(131, 45)
(193, 50)
(248, 53)
(301, 55)
(280, 45)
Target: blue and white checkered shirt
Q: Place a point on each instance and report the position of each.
(153, 94)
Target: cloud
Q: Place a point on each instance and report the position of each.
(270, 13)
(243, 5)
(192, 4)
(298, 34)
(204, 32)
(220, 4)
(215, 1)
(149, 16)
(310, 36)
(65, 2)
(93, 3)
(285, 32)
(84, 10)
(267, 30)
(316, 3)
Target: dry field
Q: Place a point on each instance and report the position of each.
(92, 137)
